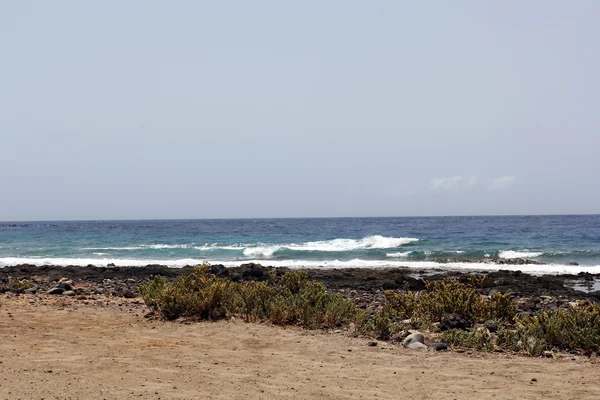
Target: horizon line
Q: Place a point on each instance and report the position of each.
(291, 218)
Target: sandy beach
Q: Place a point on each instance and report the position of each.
(64, 348)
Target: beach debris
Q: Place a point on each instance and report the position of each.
(416, 337)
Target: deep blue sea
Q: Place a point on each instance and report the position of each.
(327, 243)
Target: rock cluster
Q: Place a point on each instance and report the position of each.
(416, 341)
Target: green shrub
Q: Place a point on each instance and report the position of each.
(18, 285)
(576, 328)
(198, 295)
(479, 339)
(293, 300)
(449, 296)
(383, 324)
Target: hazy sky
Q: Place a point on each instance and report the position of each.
(201, 109)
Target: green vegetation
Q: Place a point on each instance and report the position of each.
(440, 299)
(17, 285)
(294, 299)
(576, 328)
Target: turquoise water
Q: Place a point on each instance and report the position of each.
(338, 242)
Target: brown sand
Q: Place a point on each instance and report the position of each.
(68, 350)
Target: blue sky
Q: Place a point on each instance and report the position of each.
(193, 109)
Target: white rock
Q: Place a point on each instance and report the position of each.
(414, 338)
(416, 346)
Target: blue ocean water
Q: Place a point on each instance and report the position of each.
(328, 243)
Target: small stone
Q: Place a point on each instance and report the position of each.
(372, 344)
(548, 354)
(439, 346)
(69, 293)
(416, 337)
(533, 379)
(30, 291)
(55, 290)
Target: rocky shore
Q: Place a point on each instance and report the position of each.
(365, 286)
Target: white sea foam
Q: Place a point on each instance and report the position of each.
(141, 247)
(334, 245)
(298, 264)
(122, 262)
(369, 242)
(519, 254)
(398, 254)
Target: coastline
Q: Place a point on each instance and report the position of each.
(364, 285)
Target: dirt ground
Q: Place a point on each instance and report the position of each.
(62, 349)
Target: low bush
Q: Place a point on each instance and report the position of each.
(478, 339)
(294, 299)
(449, 296)
(576, 329)
(18, 285)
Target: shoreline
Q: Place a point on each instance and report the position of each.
(364, 285)
(448, 265)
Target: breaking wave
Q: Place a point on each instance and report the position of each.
(519, 254)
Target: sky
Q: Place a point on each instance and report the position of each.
(229, 109)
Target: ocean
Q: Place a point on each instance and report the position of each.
(417, 242)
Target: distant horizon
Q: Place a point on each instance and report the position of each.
(284, 218)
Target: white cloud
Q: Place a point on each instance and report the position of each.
(501, 182)
(452, 182)
(456, 183)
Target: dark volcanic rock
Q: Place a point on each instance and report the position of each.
(55, 291)
(491, 325)
(439, 346)
(454, 321)
(364, 285)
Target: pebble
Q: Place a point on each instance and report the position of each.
(372, 344)
(55, 290)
